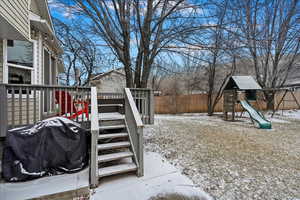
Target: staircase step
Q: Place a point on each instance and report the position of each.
(114, 156)
(111, 119)
(117, 169)
(116, 118)
(113, 145)
(112, 127)
(110, 105)
(113, 135)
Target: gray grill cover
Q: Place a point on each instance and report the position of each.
(50, 147)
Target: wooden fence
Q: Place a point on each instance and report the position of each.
(197, 103)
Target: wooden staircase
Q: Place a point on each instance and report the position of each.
(115, 149)
(117, 137)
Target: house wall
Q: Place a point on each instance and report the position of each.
(34, 7)
(21, 109)
(113, 82)
(20, 106)
(19, 21)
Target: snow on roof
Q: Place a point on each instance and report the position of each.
(242, 83)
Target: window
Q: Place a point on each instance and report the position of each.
(49, 79)
(20, 53)
(20, 62)
(19, 75)
(53, 71)
(46, 80)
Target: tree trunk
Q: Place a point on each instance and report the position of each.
(210, 109)
(128, 73)
(145, 74)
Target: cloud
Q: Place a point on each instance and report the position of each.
(62, 9)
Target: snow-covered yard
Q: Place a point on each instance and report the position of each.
(232, 160)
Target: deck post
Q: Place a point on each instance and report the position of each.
(140, 152)
(94, 138)
(151, 107)
(3, 110)
(94, 155)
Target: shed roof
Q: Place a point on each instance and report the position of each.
(242, 83)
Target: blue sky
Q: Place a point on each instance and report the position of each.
(58, 10)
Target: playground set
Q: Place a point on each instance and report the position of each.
(243, 90)
(288, 96)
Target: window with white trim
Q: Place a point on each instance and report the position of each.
(20, 62)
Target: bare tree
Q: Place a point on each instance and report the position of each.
(82, 56)
(158, 74)
(270, 31)
(137, 30)
(217, 51)
(71, 49)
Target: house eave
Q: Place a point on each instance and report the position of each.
(43, 26)
(8, 31)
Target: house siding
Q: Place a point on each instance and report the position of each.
(21, 109)
(20, 21)
(34, 8)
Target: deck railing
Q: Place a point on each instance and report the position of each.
(143, 98)
(135, 128)
(26, 104)
(110, 95)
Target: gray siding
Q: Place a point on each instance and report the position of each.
(16, 13)
(22, 110)
(1, 60)
(34, 8)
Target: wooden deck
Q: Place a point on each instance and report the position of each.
(67, 185)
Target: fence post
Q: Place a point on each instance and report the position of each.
(3, 110)
(151, 107)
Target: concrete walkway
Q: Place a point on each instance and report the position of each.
(44, 186)
(160, 177)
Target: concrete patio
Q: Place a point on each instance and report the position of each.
(45, 186)
(160, 177)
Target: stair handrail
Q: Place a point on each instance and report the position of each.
(94, 138)
(135, 128)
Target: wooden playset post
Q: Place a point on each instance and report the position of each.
(229, 101)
